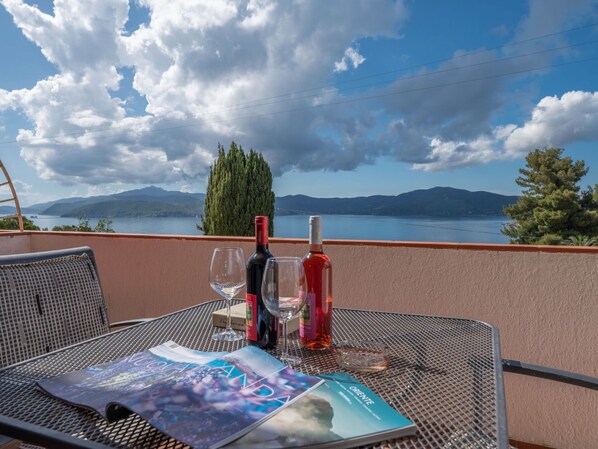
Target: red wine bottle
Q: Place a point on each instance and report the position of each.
(262, 326)
(315, 323)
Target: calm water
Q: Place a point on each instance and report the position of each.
(357, 227)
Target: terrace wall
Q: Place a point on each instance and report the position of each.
(544, 300)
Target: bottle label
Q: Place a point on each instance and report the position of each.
(308, 320)
(251, 316)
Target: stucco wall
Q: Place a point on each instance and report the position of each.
(543, 300)
(14, 242)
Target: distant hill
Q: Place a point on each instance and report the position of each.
(157, 202)
(435, 202)
(132, 208)
(146, 202)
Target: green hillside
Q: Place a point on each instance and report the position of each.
(132, 208)
(157, 202)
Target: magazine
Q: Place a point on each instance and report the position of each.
(339, 413)
(203, 399)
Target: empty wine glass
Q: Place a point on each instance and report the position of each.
(284, 289)
(227, 277)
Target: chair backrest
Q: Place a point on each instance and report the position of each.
(48, 300)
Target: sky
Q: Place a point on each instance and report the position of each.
(343, 97)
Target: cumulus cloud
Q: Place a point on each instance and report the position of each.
(352, 57)
(557, 122)
(554, 122)
(447, 113)
(98, 190)
(210, 71)
(215, 71)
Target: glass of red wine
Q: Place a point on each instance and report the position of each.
(284, 289)
(227, 278)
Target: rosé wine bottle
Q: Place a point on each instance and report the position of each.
(316, 317)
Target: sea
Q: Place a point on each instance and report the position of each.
(353, 227)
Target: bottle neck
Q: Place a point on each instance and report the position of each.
(316, 248)
(261, 248)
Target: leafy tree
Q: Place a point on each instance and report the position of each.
(103, 225)
(260, 197)
(580, 240)
(239, 188)
(551, 209)
(13, 223)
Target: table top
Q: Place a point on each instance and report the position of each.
(445, 375)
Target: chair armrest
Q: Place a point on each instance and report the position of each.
(129, 322)
(580, 380)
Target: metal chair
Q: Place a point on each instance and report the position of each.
(544, 372)
(49, 300)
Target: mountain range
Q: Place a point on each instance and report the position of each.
(156, 202)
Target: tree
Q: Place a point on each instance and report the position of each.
(12, 223)
(239, 188)
(103, 225)
(551, 209)
(580, 240)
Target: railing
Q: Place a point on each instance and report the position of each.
(543, 300)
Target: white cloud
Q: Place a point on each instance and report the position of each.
(22, 185)
(200, 65)
(446, 155)
(351, 55)
(215, 71)
(259, 14)
(447, 113)
(554, 122)
(111, 189)
(557, 122)
(79, 37)
(26, 194)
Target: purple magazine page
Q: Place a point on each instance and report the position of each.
(213, 405)
(98, 387)
(205, 400)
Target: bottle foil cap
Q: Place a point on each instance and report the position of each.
(261, 230)
(315, 230)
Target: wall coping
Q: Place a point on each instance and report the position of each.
(333, 242)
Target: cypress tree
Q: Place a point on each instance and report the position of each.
(260, 197)
(239, 188)
(551, 209)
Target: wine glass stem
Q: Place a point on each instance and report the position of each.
(229, 327)
(285, 346)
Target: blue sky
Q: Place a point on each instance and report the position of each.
(344, 98)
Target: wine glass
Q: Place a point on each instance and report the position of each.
(284, 289)
(227, 277)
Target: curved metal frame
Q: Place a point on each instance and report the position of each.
(14, 198)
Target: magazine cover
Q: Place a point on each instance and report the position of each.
(100, 387)
(339, 413)
(204, 400)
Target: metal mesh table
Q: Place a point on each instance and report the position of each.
(445, 375)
